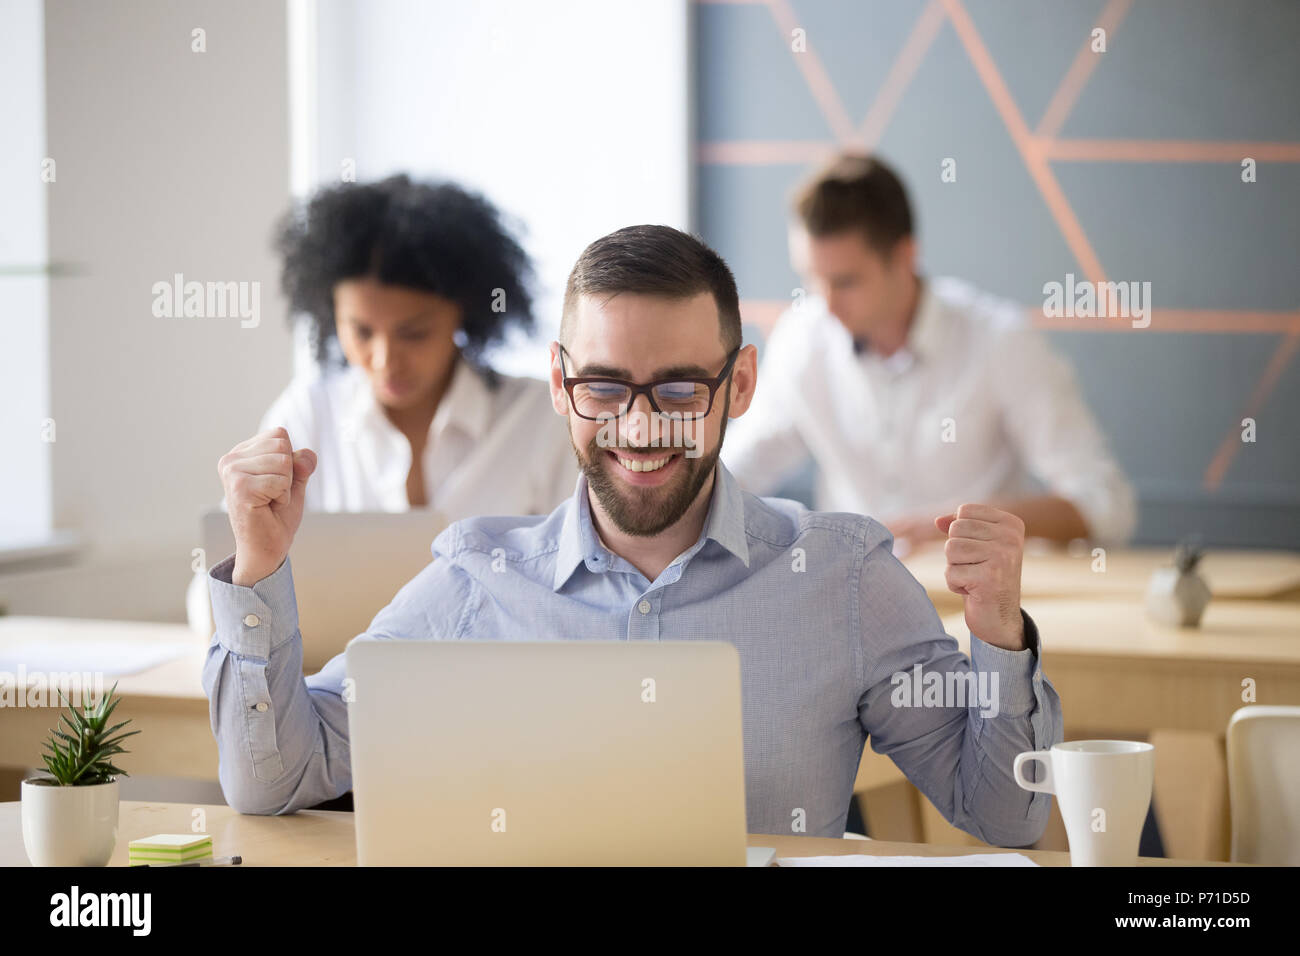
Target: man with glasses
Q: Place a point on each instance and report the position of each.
(659, 542)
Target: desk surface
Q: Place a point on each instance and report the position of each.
(1054, 572)
(179, 677)
(1231, 632)
(327, 838)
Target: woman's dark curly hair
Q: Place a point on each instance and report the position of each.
(434, 237)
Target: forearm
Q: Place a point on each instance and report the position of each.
(960, 754)
(994, 807)
(1047, 516)
(282, 745)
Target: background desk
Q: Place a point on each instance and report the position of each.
(165, 702)
(1250, 575)
(327, 838)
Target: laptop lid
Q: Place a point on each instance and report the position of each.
(347, 566)
(546, 752)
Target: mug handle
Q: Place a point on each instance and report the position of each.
(1042, 756)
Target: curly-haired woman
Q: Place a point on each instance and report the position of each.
(405, 285)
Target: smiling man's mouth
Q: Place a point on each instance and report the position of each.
(641, 465)
(635, 464)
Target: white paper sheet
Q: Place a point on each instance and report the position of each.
(111, 658)
(973, 859)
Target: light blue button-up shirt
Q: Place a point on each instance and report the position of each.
(829, 625)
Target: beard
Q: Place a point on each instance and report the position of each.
(644, 512)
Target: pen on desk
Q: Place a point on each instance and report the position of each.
(215, 861)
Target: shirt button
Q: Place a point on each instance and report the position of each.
(252, 620)
(261, 706)
(644, 607)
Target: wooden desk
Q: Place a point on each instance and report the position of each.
(1117, 676)
(1116, 669)
(327, 838)
(1054, 572)
(165, 702)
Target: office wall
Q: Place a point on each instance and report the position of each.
(1122, 165)
(169, 160)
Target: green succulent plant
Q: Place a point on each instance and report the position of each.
(82, 755)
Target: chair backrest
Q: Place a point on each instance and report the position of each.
(1264, 784)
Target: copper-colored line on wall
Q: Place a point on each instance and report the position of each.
(1035, 162)
(743, 152)
(764, 152)
(1231, 444)
(1219, 321)
(763, 313)
(1085, 61)
(815, 75)
(900, 74)
(1167, 151)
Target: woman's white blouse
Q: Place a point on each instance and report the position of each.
(499, 451)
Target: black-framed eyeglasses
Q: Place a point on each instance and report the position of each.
(597, 398)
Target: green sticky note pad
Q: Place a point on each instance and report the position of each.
(170, 848)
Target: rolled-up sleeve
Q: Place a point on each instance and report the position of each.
(953, 724)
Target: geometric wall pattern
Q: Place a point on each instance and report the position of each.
(1122, 165)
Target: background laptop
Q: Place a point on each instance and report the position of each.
(346, 568)
(547, 752)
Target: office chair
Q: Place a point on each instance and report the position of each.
(1264, 784)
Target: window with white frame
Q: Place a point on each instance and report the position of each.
(26, 428)
(572, 118)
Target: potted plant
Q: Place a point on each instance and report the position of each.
(1177, 595)
(70, 816)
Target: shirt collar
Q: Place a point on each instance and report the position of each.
(925, 337)
(580, 544)
(466, 405)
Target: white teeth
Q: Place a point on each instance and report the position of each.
(632, 464)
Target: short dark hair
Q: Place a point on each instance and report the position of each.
(657, 261)
(856, 192)
(433, 237)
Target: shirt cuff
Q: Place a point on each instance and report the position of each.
(1020, 672)
(254, 621)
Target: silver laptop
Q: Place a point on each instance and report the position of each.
(547, 752)
(346, 568)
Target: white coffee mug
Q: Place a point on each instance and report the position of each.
(1104, 790)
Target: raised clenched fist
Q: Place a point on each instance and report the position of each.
(984, 551)
(265, 482)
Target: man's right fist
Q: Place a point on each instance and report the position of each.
(265, 482)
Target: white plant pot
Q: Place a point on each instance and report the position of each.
(69, 826)
(1177, 599)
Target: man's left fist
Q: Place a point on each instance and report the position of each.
(984, 551)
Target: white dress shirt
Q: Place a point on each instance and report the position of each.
(973, 408)
(490, 452)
